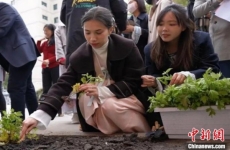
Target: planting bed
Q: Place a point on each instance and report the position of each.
(125, 142)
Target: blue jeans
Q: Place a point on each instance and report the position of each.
(21, 88)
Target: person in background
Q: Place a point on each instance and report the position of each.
(114, 107)
(139, 32)
(73, 10)
(202, 23)
(50, 67)
(2, 99)
(219, 31)
(157, 7)
(18, 55)
(60, 51)
(60, 47)
(178, 46)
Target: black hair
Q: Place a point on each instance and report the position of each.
(52, 28)
(141, 6)
(100, 14)
(185, 44)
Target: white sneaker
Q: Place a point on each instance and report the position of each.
(75, 119)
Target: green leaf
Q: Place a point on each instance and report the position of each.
(213, 94)
(83, 80)
(204, 99)
(166, 72)
(185, 102)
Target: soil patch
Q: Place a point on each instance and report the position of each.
(125, 142)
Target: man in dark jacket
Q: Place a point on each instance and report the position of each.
(73, 10)
(18, 55)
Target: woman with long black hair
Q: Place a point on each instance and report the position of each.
(50, 67)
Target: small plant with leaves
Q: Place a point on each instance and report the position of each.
(86, 78)
(166, 77)
(10, 127)
(207, 91)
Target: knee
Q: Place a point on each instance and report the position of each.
(108, 105)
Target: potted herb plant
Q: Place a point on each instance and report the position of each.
(197, 104)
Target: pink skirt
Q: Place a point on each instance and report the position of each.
(114, 115)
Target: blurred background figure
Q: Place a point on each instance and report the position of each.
(139, 28)
(50, 67)
(18, 55)
(60, 47)
(157, 7)
(218, 29)
(60, 52)
(201, 23)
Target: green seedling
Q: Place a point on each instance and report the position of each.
(10, 127)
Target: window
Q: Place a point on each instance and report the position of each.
(56, 20)
(55, 6)
(44, 17)
(44, 4)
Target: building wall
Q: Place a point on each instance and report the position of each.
(33, 13)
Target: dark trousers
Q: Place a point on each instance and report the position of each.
(49, 77)
(21, 88)
(225, 68)
(2, 100)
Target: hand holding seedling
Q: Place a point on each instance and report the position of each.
(89, 89)
(88, 85)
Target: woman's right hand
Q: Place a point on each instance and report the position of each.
(27, 125)
(148, 81)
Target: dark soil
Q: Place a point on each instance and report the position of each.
(125, 142)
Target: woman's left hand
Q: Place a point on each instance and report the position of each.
(89, 89)
(177, 79)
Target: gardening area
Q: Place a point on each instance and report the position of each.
(195, 112)
(125, 142)
(61, 134)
